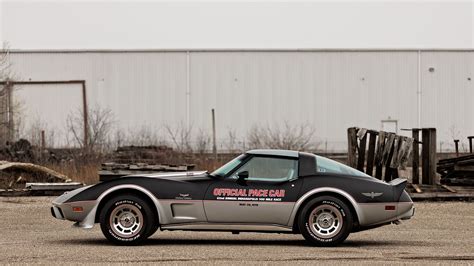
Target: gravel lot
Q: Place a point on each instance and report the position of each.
(439, 232)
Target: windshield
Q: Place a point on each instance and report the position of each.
(326, 165)
(226, 168)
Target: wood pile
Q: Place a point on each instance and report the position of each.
(114, 170)
(457, 171)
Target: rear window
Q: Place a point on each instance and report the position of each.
(325, 165)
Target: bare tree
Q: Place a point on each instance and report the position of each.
(100, 123)
(8, 108)
(180, 136)
(34, 131)
(287, 137)
(5, 63)
(203, 141)
(143, 136)
(232, 144)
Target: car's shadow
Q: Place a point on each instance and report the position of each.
(228, 242)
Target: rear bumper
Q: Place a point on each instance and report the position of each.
(407, 215)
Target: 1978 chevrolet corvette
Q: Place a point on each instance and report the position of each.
(259, 191)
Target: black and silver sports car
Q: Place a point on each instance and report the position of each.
(259, 191)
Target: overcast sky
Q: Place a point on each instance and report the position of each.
(145, 25)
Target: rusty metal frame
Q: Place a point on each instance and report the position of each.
(55, 82)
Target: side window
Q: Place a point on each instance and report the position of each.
(270, 169)
(325, 165)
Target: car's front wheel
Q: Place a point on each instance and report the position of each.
(325, 221)
(127, 220)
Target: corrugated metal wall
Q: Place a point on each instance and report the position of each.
(448, 95)
(329, 90)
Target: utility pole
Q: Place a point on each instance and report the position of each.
(214, 147)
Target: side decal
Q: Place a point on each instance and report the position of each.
(247, 194)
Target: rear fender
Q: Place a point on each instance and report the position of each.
(398, 186)
(316, 191)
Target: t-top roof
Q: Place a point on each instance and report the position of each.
(286, 153)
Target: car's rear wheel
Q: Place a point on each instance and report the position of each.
(325, 221)
(127, 220)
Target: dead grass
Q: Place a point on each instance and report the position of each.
(86, 173)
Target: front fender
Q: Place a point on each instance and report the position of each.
(86, 219)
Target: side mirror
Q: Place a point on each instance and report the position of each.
(243, 176)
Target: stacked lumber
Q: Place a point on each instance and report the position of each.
(459, 170)
(114, 170)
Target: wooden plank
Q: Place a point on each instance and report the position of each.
(352, 146)
(14, 192)
(393, 162)
(417, 188)
(388, 170)
(53, 186)
(388, 148)
(448, 188)
(379, 155)
(416, 157)
(361, 149)
(441, 195)
(371, 154)
(380, 148)
(408, 147)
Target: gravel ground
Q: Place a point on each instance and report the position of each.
(440, 233)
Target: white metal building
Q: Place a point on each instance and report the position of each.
(330, 90)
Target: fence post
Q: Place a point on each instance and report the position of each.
(352, 146)
(470, 143)
(428, 156)
(214, 147)
(85, 113)
(456, 145)
(416, 156)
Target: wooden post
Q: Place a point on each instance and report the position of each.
(352, 146)
(214, 146)
(416, 156)
(86, 115)
(456, 145)
(428, 156)
(470, 143)
(10, 125)
(433, 156)
(361, 153)
(371, 153)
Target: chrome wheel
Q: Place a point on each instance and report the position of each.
(325, 221)
(126, 220)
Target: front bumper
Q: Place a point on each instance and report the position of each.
(82, 212)
(57, 213)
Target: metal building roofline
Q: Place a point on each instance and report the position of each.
(241, 50)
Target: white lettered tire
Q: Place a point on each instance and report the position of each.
(325, 221)
(127, 220)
